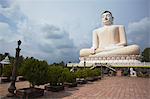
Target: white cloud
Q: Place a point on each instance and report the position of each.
(7, 38)
(12, 12)
(40, 40)
(142, 25)
(4, 27)
(139, 32)
(47, 41)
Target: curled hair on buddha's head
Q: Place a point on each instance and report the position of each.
(107, 12)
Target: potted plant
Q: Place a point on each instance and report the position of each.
(90, 74)
(35, 72)
(97, 74)
(55, 79)
(81, 75)
(69, 78)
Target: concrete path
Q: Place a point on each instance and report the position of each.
(107, 88)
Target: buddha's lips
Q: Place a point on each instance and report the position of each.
(106, 20)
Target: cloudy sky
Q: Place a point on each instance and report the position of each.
(56, 30)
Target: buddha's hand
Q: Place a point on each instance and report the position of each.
(93, 51)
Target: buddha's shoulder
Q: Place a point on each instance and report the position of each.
(98, 29)
(117, 25)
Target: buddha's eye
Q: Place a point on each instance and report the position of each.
(108, 15)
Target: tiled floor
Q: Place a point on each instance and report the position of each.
(107, 88)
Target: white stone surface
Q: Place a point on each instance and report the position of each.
(109, 40)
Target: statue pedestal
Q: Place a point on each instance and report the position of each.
(118, 60)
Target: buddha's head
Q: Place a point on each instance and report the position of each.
(107, 18)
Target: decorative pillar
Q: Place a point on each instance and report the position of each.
(12, 86)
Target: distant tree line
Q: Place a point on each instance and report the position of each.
(6, 70)
(22, 58)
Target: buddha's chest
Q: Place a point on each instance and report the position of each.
(109, 35)
(109, 31)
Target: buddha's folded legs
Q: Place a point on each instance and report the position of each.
(85, 52)
(127, 50)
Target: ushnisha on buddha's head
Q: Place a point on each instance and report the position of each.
(107, 18)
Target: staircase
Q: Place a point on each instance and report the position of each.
(109, 66)
(104, 65)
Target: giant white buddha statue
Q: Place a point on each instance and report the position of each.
(109, 40)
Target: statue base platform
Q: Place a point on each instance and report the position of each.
(118, 60)
(112, 61)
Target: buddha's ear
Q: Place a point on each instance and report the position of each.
(112, 18)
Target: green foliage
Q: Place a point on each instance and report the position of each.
(12, 60)
(97, 72)
(34, 71)
(58, 64)
(7, 70)
(82, 73)
(146, 55)
(55, 76)
(87, 72)
(125, 73)
(68, 76)
(143, 72)
(90, 73)
(20, 61)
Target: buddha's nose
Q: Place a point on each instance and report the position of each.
(105, 18)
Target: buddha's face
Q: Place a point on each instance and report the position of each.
(107, 18)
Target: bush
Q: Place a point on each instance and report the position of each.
(35, 71)
(68, 76)
(97, 72)
(93, 73)
(90, 73)
(55, 76)
(82, 73)
(146, 55)
(0, 70)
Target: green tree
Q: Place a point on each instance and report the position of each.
(68, 76)
(34, 71)
(97, 72)
(55, 76)
(81, 73)
(146, 55)
(90, 72)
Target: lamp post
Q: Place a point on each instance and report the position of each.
(12, 86)
(84, 62)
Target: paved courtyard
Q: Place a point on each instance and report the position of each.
(107, 88)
